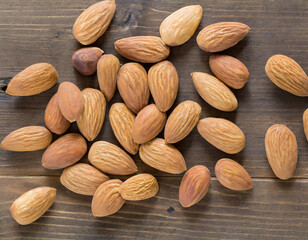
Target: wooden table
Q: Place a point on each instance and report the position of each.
(41, 31)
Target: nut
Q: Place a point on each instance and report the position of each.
(305, 123)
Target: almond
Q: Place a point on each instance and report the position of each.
(222, 134)
(54, 120)
(33, 80)
(107, 199)
(221, 36)
(92, 118)
(82, 178)
(70, 101)
(145, 49)
(287, 74)
(181, 121)
(139, 187)
(85, 60)
(162, 156)
(229, 70)
(148, 124)
(107, 70)
(214, 92)
(281, 150)
(111, 159)
(31, 205)
(27, 139)
(194, 185)
(305, 123)
(179, 26)
(133, 86)
(164, 84)
(94, 21)
(64, 152)
(232, 175)
(122, 121)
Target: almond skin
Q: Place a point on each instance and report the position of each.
(305, 123)
(145, 49)
(281, 150)
(164, 84)
(148, 124)
(194, 185)
(232, 175)
(27, 139)
(181, 121)
(221, 36)
(82, 178)
(214, 92)
(94, 21)
(122, 121)
(70, 101)
(222, 134)
(133, 86)
(229, 70)
(92, 118)
(287, 74)
(85, 60)
(107, 200)
(162, 156)
(111, 159)
(31, 205)
(179, 26)
(64, 152)
(54, 120)
(33, 80)
(139, 187)
(107, 69)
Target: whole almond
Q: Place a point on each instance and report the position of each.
(181, 121)
(229, 70)
(133, 86)
(107, 200)
(94, 21)
(281, 150)
(194, 185)
(31, 205)
(82, 178)
(148, 124)
(33, 80)
(85, 60)
(179, 26)
(111, 159)
(70, 101)
(232, 175)
(122, 121)
(64, 152)
(139, 187)
(54, 120)
(92, 118)
(222, 134)
(221, 36)
(107, 70)
(162, 156)
(214, 92)
(305, 123)
(27, 139)
(145, 49)
(164, 84)
(287, 75)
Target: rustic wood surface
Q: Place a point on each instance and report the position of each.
(41, 31)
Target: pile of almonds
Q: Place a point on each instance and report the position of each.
(137, 124)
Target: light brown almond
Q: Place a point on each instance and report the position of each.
(33, 80)
(305, 123)
(92, 118)
(164, 84)
(181, 121)
(111, 159)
